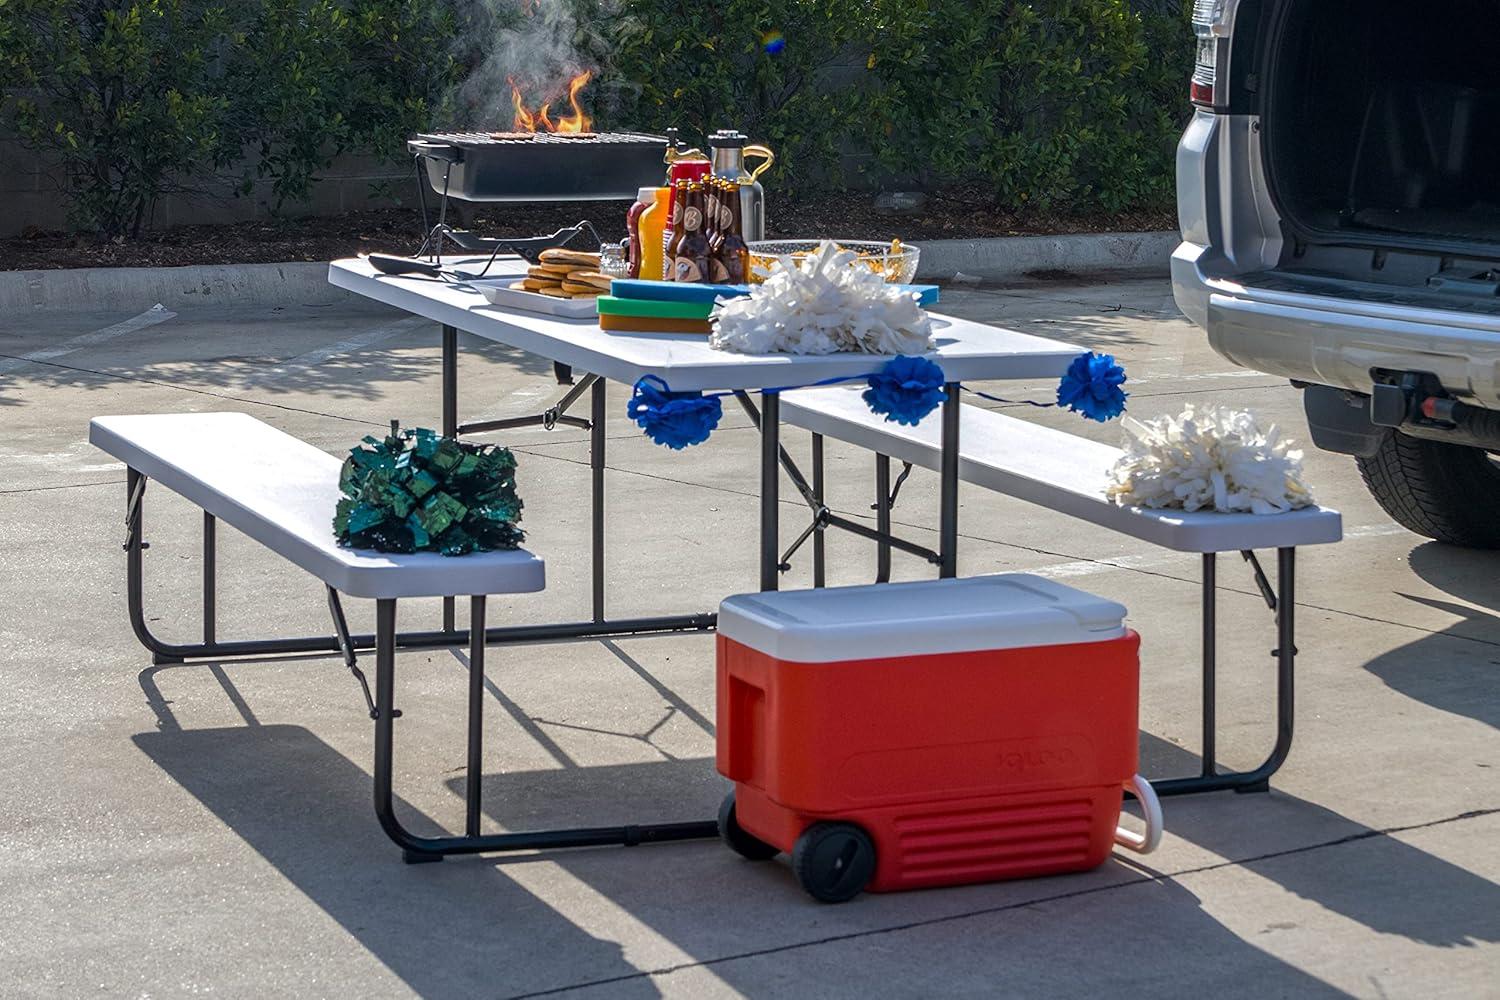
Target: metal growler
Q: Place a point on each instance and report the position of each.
(729, 150)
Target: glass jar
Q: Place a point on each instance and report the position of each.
(613, 260)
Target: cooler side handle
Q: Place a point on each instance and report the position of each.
(1142, 843)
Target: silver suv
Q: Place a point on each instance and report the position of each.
(1339, 196)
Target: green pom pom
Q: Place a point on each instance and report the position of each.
(416, 491)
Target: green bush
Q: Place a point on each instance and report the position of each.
(705, 66)
(127, 94)
(143, 98)
(1062, 105)
(319, 78)
(1057, 104)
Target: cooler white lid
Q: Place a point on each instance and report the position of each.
(1003, 611)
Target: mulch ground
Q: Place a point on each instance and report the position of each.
(851, 216)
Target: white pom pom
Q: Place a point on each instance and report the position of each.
(822, 305)
(1208, 459)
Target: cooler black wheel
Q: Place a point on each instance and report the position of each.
(834, 861)
(739, 841)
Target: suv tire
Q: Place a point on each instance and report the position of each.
(1444, 491)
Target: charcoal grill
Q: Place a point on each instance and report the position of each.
(541, 166)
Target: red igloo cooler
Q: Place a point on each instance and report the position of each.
(906, 735)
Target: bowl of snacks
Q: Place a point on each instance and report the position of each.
(895, 261)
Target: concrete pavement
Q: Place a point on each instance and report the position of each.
(207, 828)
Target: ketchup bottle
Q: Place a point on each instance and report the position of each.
(644, 199)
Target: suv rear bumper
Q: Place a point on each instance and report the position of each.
(1343, 342)
(1231, 234)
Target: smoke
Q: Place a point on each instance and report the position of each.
(537, 43)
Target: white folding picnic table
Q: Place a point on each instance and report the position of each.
(966, 350)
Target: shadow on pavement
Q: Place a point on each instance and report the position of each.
(1384, 884)
(1443, 670)
(460, 928)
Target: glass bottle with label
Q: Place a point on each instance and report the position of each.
(691, 258)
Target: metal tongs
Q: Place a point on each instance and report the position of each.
(528, 248)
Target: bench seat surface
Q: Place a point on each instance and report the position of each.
(281, 492)
(1051, 468)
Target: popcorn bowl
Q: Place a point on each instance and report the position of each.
(895, 261)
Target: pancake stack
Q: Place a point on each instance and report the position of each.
(565, 274)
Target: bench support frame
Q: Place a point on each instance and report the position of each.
(1281, 601)
(385, 641)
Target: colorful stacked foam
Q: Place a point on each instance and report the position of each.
(635, 305)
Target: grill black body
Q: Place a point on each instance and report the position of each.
(545, 167)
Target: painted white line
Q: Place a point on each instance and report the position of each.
(1162, 558)
(156, 314)
(1157, 377)
(327, 353)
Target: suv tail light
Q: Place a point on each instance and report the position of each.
(1211, 24)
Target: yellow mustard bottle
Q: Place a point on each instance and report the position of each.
(653, 225)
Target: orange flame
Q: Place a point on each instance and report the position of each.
(524, 120)
(527, 120)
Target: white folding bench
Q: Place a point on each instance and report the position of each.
(281, 492)
(1068, 474)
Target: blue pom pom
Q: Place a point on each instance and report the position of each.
(675, 419)
(906, 390)
(1092, 387)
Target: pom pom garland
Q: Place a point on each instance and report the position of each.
(1209, 459)
(1092, 387)
(674, 419)
(905, 390)
(416, 491)
(822, 304)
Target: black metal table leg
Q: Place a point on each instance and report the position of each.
(450, 425)
(883, 518)
(770, 482)
(597, 438)
(948, 520)
(819, 487)
(210, 576)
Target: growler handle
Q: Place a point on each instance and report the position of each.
(767, 158)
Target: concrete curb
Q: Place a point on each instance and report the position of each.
(127, 288)
(1014, 256)
(298, 283)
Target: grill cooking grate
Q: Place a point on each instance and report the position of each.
(469, 140)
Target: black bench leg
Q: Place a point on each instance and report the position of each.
(1257, 779)
(472, 791)
(416, 849)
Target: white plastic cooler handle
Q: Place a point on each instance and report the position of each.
(1142, 843)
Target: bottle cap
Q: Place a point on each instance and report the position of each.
(646, 195)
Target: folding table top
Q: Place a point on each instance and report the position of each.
(966, 350)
